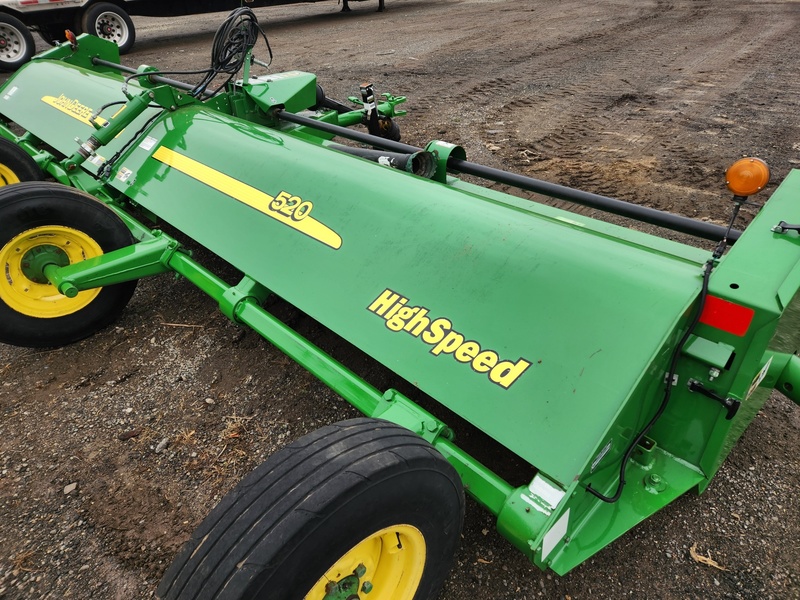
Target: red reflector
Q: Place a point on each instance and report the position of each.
(727, 316)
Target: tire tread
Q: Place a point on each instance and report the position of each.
(238, 524)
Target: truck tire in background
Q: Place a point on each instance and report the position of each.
(16, 43)
(362, 505)
(110, 22)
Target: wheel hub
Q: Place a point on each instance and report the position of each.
(386, 565)
(10, 43)
(36, 259)
(348, 587)
(23, 286)
(110, 27)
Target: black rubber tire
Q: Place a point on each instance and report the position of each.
(26, 206)
(285, 524)
(110, 22)
(16, 43)
(15, 159)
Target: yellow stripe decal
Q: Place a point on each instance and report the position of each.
(285, 208)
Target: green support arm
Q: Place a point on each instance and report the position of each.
(785, 369)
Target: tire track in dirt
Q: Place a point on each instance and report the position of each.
(581, 106)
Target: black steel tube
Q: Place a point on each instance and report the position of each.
(707, 231)
(701, 229)
(155, 78)
(420, 163)
(351, 134)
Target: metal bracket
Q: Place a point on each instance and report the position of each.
(783, 227)
(370, 108)
(233, 297)
(398, 409)
(443, 151)
(674, 379)
(731, 404)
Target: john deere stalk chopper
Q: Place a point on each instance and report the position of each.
(622, 367)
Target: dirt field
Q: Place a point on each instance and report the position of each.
(644, 100)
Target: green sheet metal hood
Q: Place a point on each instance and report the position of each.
(466, 299)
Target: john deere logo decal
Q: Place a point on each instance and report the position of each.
(73, 108)
(441, 335)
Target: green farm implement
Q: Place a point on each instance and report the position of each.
(620, 366)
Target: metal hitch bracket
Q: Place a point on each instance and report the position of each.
(731, 404)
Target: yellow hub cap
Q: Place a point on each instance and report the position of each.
(392, 561)
(38, 299)
(7, 176)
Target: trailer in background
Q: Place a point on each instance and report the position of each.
(108, 20)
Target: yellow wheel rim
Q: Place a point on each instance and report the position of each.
(39, 299)
(7, 176)
(392, 561)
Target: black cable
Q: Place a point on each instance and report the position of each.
(149, 73)
(709, 266)
(100, 110)
(723, 244)
(105, 169)
(233, 40)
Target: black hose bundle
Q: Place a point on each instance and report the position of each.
(234, 39)
(232, 42)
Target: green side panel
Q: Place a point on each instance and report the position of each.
(54, 100)
(761, 294)
(594, 524)
(541, 323)
(294, 89)
(692, 439)
(771, 292)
